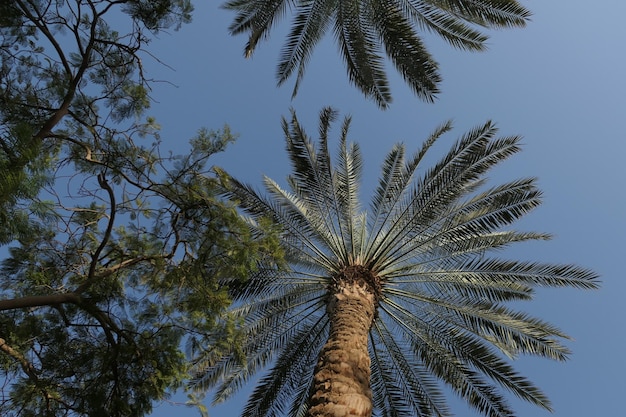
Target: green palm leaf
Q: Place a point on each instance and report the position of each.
(360, 52)
(309, 27)
(273, 393)
(364, 29)
(400, 383)
(405, 49)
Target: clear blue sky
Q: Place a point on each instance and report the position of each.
(559, 83)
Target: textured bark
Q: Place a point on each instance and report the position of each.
(39, 301)
(341, 383)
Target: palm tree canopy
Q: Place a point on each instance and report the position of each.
(363, 29)
(426, 244)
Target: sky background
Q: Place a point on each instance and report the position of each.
(559, 83)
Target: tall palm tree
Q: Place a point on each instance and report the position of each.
(363, 28)
(380, 310)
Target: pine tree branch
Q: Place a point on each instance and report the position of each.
(63, 109)
(107, 234)
(28, 367)
(39, 301)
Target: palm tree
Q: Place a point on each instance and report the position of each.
(380, 310)
(363, 28)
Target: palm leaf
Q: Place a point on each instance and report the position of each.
(401, 387)
(296, 363)
(347, 178)
(395, 179)
(405, 49)
(308, 28)
(270, 325)
(255, 16)
(432, 348)
(363, 29)
(487, 13)
(449, 27)
(361, 52)
(313, 180)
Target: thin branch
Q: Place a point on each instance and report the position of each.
(28, 367)
(107, 234)
(41, 25)
(63, 109)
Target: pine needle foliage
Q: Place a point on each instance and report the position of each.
(112, 248)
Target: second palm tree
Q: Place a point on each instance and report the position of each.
(363, 29)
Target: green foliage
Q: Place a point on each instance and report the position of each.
(122, 263)
(62, 66)
(135, 294)
(160, 14)
(367, 30)
(429, 243)
(118, 257)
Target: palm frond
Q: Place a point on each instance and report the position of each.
(433, 348)
(463, 283)
(487, 13)
(313, 180)
(513, 333)
(396, 178)
(363, 29)
(309, 26)
(348, 175)
(287, 212)
(314, 236)
(537, 274)
(468, 228)
(270, 325)
(273, 393)
(487, 362)
(361, 52)
(255, 16)
(402, 387)
(449, 27)
(405, 49)
(441, 187)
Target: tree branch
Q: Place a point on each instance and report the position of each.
(39, 301)
(26, 366)
(63, 109)
(107, 234)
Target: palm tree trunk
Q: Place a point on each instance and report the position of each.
(341, 383)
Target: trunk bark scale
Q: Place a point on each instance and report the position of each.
(341, 382)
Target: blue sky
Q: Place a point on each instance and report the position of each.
(559, 83)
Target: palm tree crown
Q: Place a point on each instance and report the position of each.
(379, 310)
(364, 28)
